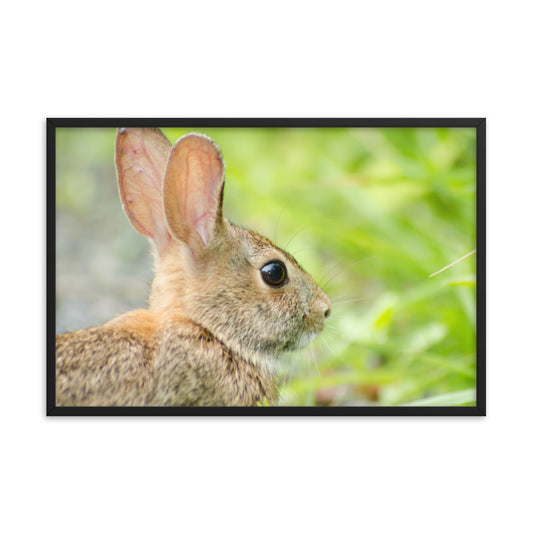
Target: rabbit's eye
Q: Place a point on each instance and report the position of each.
(274, 273)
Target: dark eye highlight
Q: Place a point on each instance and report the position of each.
(274, 273)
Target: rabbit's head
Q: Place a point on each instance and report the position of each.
(248, 293)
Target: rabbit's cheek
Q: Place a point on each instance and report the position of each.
(314, 322)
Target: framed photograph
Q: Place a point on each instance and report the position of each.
(266, 267)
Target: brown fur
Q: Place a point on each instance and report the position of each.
(214, 328)
(182, 364)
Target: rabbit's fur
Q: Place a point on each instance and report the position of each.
(214, 327)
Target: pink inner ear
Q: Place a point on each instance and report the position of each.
(199, 191)
(192, 185)
(141, 156)
(141, 200)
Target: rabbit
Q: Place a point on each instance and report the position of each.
(225, 302)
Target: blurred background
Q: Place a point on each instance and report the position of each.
(370, 213)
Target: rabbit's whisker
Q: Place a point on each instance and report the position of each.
(323, 340)
(333, 302)
(340, 267)
(329, 275)
(277, 223)
(313, 355)
(291, 369)
(301, 230)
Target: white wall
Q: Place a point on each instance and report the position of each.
(374, 59)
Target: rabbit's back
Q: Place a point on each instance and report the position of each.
(176, 363)
(103, 366)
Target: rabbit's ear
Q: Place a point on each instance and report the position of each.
(192, 190)
(140, 156)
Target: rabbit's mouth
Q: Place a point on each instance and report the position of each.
(297, 341)
(305, 338)
(308, 332)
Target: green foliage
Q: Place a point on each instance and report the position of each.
(371, 214)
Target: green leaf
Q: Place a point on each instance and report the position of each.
(454, 398)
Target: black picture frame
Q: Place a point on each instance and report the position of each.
(480, 126)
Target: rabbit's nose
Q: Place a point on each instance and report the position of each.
(325, 303)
